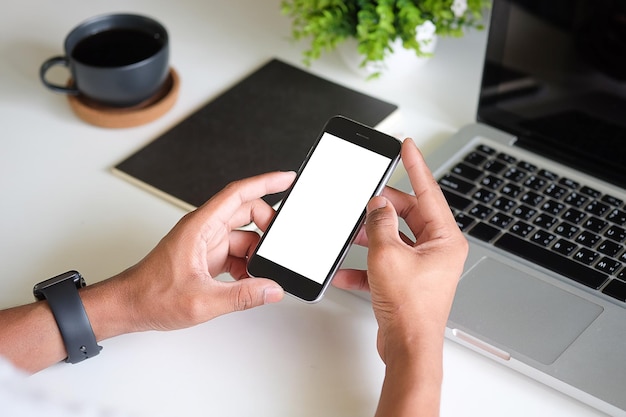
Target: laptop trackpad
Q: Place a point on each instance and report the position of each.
(518, 313)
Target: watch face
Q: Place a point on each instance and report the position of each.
(73, 276)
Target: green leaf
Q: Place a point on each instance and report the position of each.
(375, 24)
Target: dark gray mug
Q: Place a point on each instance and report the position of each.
(116, 60)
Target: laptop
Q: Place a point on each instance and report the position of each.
(538, 187)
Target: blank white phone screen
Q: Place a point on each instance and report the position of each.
(323, 207)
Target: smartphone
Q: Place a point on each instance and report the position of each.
(324, 208)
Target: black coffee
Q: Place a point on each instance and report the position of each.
(117, 47)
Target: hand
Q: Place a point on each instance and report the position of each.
(174, 286)
(412, 284)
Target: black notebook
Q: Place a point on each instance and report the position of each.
(266, 122)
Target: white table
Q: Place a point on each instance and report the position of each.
(62, 209)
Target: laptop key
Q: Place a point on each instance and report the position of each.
(531, 198)
(484, 195)
(484, 232)
(501, 220)
(555, 191)
(569, 183)
(475, 158)
(597, 208)
(552, 207)
(612, 201)
(456, 201)
(511, 190)
(588, 239)
(586, 256)
(616, 233)
(609, 248)
(608, 265)
(594, 224)
(535, 183)
(494, 166)
(564, 247)
(617, 216)
(545, 221)
(464, 221)
(514, 175)
(480, 211)
(590, 192)
(574, 216)
(467, 172)
(566, 230)
(543, 238)
(524, 212)
(522, 229)
(616, 289)
(456, 184)
(504, 204)
(485, 149)
(552, 261)
(527, 166)
(575, 199)
(507, 158)
(491, 182)
(548, 174)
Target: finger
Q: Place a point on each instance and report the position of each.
(404, 203)
(237, 267)
(381, 224)
(240, 246)
(361, 237)
(257, 211)
(245, 294)
(408, 208)
(431, 208)
(224, 204)
(242, 243)
(351, 279)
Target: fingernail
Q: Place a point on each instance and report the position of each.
(272, 294)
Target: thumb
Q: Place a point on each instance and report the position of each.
(381, 222)
(251, 292)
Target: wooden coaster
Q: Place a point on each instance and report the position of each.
(120, 117)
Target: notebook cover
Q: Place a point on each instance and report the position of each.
(266, 122)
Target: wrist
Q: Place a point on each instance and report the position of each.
(415, 349)
(413, 376)
(408, 335)
(108, 306)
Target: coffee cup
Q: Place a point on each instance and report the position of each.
(116, 60)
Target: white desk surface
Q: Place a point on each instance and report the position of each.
(62, 209)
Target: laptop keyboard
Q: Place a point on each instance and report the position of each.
(552, 221)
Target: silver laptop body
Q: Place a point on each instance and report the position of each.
(531, 318)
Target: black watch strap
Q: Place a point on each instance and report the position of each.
(61, 293)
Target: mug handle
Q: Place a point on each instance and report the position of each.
(57, 60)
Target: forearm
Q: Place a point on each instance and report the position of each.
(413, 377)
(30, 337)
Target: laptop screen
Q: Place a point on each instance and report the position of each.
(555, 77)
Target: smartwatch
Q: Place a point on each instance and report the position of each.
(61, 293)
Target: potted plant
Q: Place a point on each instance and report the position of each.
(380, 26)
